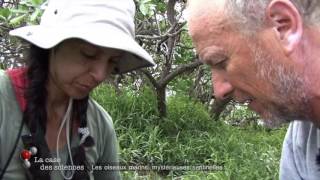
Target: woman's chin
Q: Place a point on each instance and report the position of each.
(78, 95)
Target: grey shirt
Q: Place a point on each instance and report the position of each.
(99, 123)
(300, 149)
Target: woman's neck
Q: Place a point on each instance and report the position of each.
(57, 102)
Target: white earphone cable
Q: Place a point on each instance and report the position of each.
(66, 120)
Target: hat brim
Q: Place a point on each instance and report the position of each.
(45, 37)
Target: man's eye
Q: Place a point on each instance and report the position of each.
(222, 64)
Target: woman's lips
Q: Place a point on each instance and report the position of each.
(84, 87)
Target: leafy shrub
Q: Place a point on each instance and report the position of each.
(187, 137)
(185, 114)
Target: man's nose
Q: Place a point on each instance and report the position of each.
(222, 88)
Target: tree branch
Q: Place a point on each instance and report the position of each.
(171, 11)
(181, 69)
(150, 77)
(166, 35)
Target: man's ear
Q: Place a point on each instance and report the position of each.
(287, 23)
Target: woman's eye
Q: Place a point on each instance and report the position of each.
(88, 55)
(113, 61)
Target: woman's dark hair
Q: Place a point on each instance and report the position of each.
(35, 116)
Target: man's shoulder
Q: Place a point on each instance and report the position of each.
(302, 132)
(299, 151)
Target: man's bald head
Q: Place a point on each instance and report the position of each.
(250, 15)
(210, 16)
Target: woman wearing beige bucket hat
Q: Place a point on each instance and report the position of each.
(49, 127)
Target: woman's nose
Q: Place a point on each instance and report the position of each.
(98, 71)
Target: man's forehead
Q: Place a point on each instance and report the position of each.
(206, 3)
(207, 24)
(198, 8)
(205, 15)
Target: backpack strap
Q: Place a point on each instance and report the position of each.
(19, 83)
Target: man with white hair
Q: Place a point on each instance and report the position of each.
(266, 53)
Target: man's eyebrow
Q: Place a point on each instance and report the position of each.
(204, 60)
(213, 51)
(209, 55)
(213, 58)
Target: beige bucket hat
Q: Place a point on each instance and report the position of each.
(106, 23)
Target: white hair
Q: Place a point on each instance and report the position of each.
(249, 15)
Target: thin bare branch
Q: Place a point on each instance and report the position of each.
(150, 77)
(181, 69)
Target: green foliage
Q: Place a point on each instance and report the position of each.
(129, 108)
(187, 137)
(184, 113)
(2, 66)
(149, 7)
(184, 52)
(181, 85)
(27, 12)
(4, 14)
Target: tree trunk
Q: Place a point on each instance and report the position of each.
(161, 98)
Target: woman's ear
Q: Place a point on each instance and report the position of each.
(287, 23)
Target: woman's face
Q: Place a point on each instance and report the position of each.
(76, 67)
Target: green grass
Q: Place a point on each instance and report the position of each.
(187, 137)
